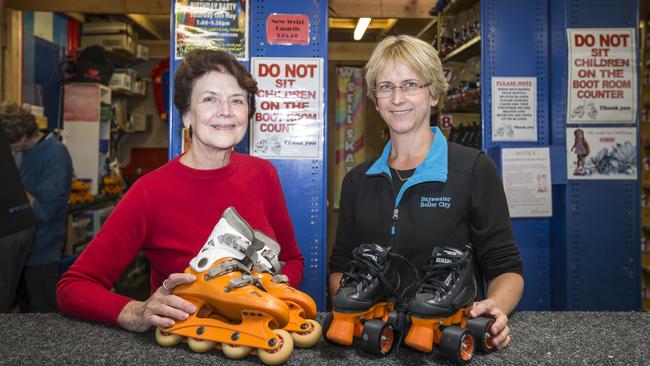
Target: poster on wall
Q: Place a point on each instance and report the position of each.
(350, 118)
(287, 29)
(211, 24)
(602, 86)
(288, 121)
(514, 109)
(527, 181)
(601, 153)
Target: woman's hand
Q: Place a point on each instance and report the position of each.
(499, 331)
(162, 309)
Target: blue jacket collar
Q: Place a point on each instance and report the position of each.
(432, 169)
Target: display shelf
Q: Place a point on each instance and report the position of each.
(457, 6)
(469, 49)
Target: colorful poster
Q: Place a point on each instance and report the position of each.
(602, 86)
(514, 109)
(288, 121)
(350, 124)
(212, 24)
(527, 181)
(287, 29)
(601, 153)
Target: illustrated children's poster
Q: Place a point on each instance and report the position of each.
(601, 153)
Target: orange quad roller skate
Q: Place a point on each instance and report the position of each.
(232, 312)
(368, 305)
(438, 310)
(303, 327)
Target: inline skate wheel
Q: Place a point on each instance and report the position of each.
(280, 354)
(167, 339)
(377, 337)
(200, 345)
(480, 330)
(457, 345)
(309, 337)
(235, 352)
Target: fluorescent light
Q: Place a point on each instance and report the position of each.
(362, 24)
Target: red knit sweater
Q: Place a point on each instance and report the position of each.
(169, 214)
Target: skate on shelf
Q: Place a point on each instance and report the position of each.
(232, 312)
(302, 326)
(438, 311)
(370, 305)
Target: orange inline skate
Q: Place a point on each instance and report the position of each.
(439, 310)
(302, 326)
(232, 312)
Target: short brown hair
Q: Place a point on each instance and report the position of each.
(197, 63)
(415, 53)
(17, 122)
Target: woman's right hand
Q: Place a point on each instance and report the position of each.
(162, 309)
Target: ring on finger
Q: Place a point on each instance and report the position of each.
(164, 285)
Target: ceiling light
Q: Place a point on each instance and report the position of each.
(362, 24)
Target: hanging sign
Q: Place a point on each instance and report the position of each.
(602, 84)
(527, 181)
(350, 124)
(288, 122)
(287, 29)
(601, 153)
(514, 109)
(211, 24)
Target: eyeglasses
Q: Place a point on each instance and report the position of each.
(409, 87)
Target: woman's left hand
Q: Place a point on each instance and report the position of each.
(500, 332)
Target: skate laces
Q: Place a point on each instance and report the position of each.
(438, 275)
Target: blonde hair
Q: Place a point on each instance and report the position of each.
(415, 53)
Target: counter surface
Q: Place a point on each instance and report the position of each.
(539, 338)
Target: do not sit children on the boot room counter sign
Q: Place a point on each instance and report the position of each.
(602, 86)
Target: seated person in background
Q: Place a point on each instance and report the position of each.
(384, 200)
(46, 170)
(169, 213)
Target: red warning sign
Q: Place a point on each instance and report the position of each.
(287, 29)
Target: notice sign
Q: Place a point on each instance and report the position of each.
(527, 181)
(287, 29)
(514, 109)
(602, 75)
(211, 24)
(601, 153)
(288, 121)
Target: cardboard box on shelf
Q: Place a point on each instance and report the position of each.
(113, 36)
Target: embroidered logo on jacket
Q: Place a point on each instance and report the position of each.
(442, 201)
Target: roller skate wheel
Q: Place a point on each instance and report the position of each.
(377, 337)
(457, 345)
(280, 354)
(167, 339)
(200, 345)
(310, 337)
(235, 352)
(480, 330)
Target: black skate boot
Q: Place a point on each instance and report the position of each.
(439, 309)
(367, 303)
(446, 284)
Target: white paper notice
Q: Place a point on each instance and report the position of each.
(514, 109)
(601, 153)
(288, 121)
(527, 181)
(602, 75)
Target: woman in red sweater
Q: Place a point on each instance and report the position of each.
(169, 213)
